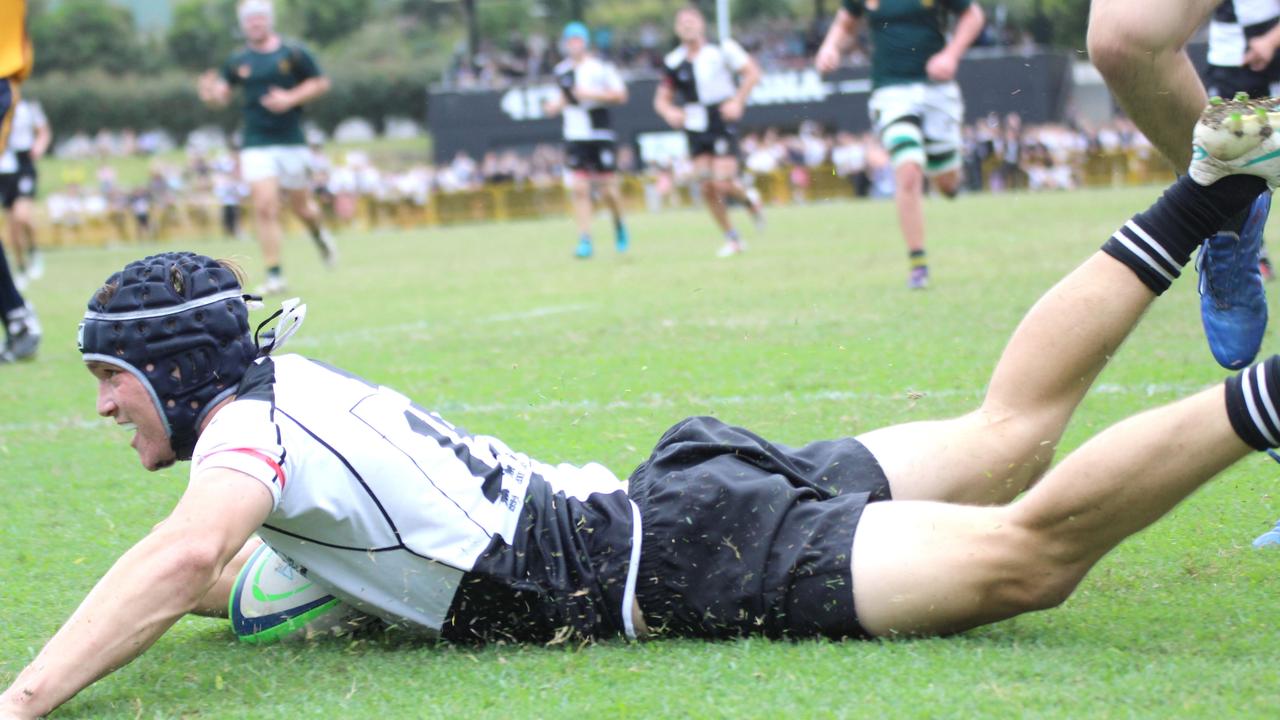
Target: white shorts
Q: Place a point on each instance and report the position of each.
(936, 109)
(290, 165)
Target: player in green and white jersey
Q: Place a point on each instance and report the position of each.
(277, 78)
(915, 102)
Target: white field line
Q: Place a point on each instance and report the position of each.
(682, 403)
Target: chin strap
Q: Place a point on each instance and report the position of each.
(291, 313)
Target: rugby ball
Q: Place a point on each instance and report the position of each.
(271, 601)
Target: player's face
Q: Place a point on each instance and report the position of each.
(576, 47)
(257, 26)
(690, 26)
(123, 398)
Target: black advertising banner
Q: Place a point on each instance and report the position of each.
(1036, 86)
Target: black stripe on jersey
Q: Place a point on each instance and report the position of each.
(491, 477)
(259, 383)
(351, 469)
(683, 82)
(409, 456)
(273, 528)
(343, 373)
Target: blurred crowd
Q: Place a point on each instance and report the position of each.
(777, 44)
(1000, 154)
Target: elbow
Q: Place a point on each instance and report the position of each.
(322, 85)
(191, 568)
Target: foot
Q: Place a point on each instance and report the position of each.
(1237, 137)
(621, 239)
(1268, 538)
(584, 249)
(731, 248)
(328, 248)
(274, 285)
(1233, 302)
(919, 278)
(36, 270)
(23, 328)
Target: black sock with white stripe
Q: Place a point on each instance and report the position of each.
(1156, 244)
(1253, 398)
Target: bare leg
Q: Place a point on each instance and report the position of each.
(992, 454)
(1140, 50)
(580, 198)
(947, 183)
(266, 218)
(928, 568)
(909, 199)
(612, 195)
(304, 206)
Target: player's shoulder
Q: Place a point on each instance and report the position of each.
(294, 46)
(675, 57)
(563, 66)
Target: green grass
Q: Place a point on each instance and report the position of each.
(811, 334)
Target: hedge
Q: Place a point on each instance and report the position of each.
(89, 102)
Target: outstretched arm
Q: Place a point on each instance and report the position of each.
(942, 66)
(841, 34)
(213, 90)
(149, 588)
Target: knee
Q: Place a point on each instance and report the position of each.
(266, 211)
(1042, 574)
(1116, 39)
(1029, 438)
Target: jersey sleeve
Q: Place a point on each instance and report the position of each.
(305, 66)
(228, 71)
(610, 78)
(243, 436)
(854, 7)
(734, 55)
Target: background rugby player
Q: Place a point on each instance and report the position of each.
(277, 78)
(699, 94)
(915, 103)
(588, 86)
(22, 328)
(29, 139)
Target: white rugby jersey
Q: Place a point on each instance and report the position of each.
(407, 517)
(1234, 23)
(27, 117)
(586, 119)
(705, 80)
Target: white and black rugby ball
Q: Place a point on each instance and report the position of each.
(271, 601)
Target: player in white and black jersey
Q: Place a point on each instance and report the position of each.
(1243, 37)
(704, 92)
(589, 87)
(29, 139)
(911, 529)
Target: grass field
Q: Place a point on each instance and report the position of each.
(811, 334)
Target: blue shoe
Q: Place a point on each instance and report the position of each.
(1233, 302)
(583, 250)
(622, 239)
(1268, 538)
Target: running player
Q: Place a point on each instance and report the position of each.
(29, 139)
(698, 94)
(718, 534)
(915, 104)
(588, 87)
(21, 327)
(277, 78)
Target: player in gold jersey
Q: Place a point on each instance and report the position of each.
(22, 329)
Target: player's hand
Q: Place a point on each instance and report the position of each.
(942, 67)
(278, 100)
(827, 59)
(731, 109)
(1259, 54)
(552, 106)
(206, 85)
(674, 118)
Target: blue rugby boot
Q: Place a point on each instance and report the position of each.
(1270, 538)
(584, 250)
(1233, 301)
